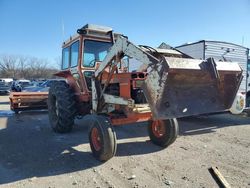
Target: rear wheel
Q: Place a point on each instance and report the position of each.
(102, 138)
(62, 107)
(163, 132)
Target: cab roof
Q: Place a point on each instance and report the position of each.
(92, 30)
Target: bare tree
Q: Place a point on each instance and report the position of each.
(58, 62)
(8, 65)
(25, 67)
(23, 73)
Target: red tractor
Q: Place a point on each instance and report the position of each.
(101, 87)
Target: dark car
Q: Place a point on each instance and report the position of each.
(5, 85)
(20, 85)
(44, 87)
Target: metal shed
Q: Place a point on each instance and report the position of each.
(220, 51)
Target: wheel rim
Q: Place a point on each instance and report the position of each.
(95, 138)
(158, 128)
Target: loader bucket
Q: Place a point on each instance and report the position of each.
(180, 87)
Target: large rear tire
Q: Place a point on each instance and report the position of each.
(163, 132)
(102, 138)
(62, 107)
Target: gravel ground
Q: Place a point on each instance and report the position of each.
(34, 156)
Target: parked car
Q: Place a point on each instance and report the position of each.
(5, 85)
(32, 97)
(20, 85)
(41, 87)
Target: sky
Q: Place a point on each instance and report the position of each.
(38, 28)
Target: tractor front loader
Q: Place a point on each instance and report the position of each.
(168, 85)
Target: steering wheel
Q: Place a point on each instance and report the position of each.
(92, 63)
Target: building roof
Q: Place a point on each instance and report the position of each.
(214, 41)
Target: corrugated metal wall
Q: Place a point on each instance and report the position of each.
(248, 71)
(229, 52)
(195, 50)
(218, 50)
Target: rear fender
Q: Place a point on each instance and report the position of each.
(81, 96)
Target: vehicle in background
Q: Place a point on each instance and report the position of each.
(43, 87)
(20, 85)
(224, 51)
(49, 82)
(38, 82)
(33, 97)
(5, 85)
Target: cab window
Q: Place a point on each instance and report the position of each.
(74, 54)
(65, 58)
(94, 51)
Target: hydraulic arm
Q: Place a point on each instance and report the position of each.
(174, 87)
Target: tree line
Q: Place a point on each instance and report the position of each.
(18, 67)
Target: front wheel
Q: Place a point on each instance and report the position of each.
(163, 132)
(102, 138)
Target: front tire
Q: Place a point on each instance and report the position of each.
(61, 107)
(163, 132)
(102, 138)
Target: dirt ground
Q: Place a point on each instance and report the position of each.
(31, 155)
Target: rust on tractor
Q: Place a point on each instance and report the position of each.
(170, 83)
(166, 85)
(28, 100)
(188, 87)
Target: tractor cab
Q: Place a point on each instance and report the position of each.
(83, 53)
